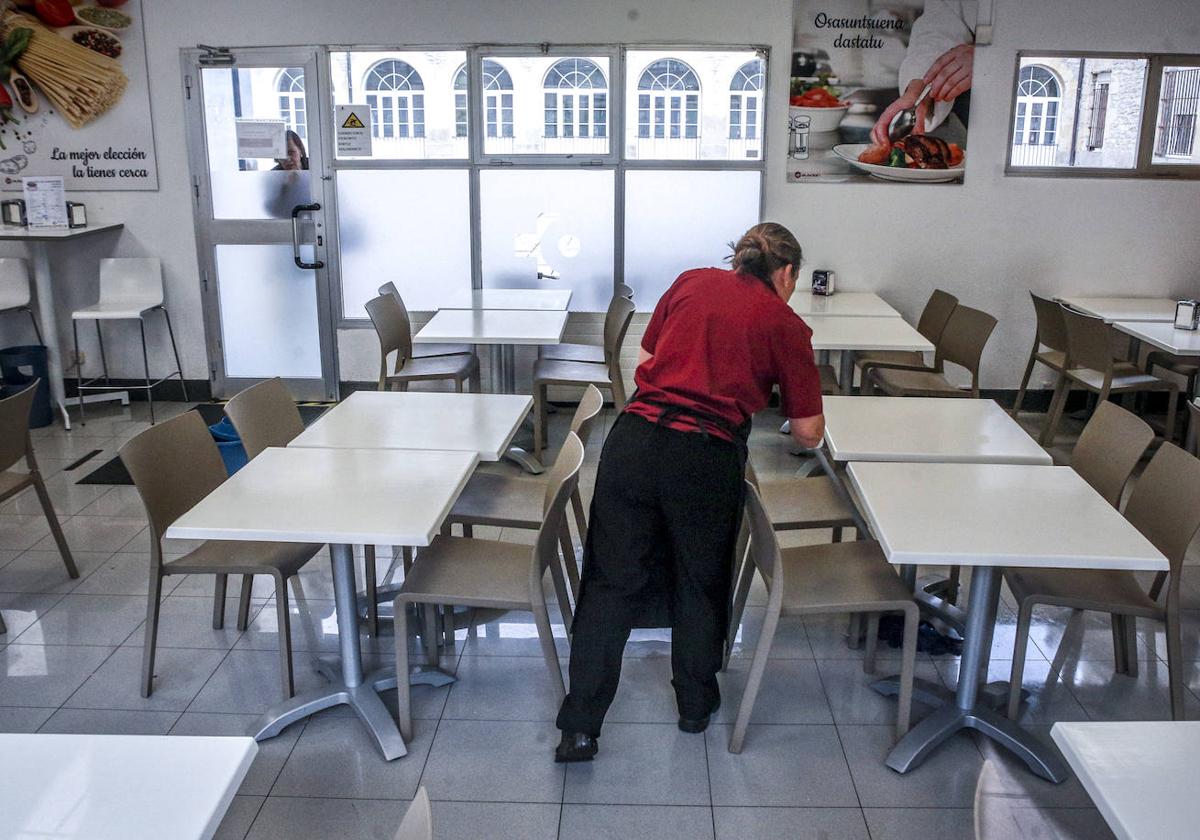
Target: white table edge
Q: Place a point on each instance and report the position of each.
(1031, 460)
(232, 788)
(418, 338)
(1133, 329)
(1089, 784)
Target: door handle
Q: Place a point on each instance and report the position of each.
(296, 211)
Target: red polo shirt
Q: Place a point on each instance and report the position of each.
(720, 341)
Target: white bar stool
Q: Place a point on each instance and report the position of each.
(129, 288)
(15, 290)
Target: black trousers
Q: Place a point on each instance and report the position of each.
(665, 517)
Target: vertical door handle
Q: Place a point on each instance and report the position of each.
(296, 211)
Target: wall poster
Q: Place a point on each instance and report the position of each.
(75, 100)
(880, 90)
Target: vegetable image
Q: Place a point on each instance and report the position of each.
(54, 12)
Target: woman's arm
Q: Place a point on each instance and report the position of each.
(808, 431)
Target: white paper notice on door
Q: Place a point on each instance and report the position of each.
(261, 139)
(353, 130)
(45, 202)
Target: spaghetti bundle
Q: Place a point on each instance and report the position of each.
(83, 84)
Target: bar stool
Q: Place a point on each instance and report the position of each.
(129, 288)
(15, 294)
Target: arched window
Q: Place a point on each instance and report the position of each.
(291, 100)
(397, 100)
(745, 101)
(669, 106)
(497, 100)
(576, 99)
(1038, 100)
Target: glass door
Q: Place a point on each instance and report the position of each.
(257, 168)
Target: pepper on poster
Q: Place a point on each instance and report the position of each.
(857, 68)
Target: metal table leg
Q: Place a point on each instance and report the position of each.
(505, 381)
(846, 372)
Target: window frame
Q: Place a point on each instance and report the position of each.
(1143, 166)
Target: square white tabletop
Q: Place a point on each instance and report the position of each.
(53, 234)
(535, 299)
(841, 304)
(345, 496)
(1123, 308)
(996, 515)
(481, 423)
(926, 429)
(493, 326)
(1141, 775)
(831, 332)
(1163, 335)
(119, 787)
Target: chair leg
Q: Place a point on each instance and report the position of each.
(744, 568)
(150, 640)
(872, 645)
(78, 372)
(1024, 382)
(1021, 644)
(1131, 657)
(854, 632)
(1160, 579)
(1172, 405)
(175, 350)
(103, 355)
(243, 619)
(568, 551)
(146, 369)
(560, 592)
(837, 534)
(431, 634)
(908, 666)
(369, 580)
(458, 385)
(37, 330)
(284, 621)
(1062, 389)
(468, 530)
(403, 698)
(549, 651)
(539, 419)
(406, 554)
(219, 584)
(1175, 665)
(64, 550)
(758, 666)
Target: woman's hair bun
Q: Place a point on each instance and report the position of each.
(764, 249)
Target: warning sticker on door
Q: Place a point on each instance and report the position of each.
(353, 131)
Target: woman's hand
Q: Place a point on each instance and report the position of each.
(807, 431)
(950, 75)
(879, 132)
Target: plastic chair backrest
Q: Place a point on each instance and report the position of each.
(616, 324)
(764, 546)
(418, 819)
(1194, 426)
(174, 465)
(394, 330)
(1110, 446)
(587, 411)
(131, 279)
(935, 314)
(1051, 329)
(1091, 343)
(389, 288)
(14, 283)
(625, 290)
(265, 415)
(1165, 503)
(966, 334)
(14, 426)
(561, 482)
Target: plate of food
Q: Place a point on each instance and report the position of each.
(819, 102)
(95, 39)
(104, 17)
(917, 158)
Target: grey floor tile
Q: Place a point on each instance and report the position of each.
(109, 722)
(87, 620)
(620, 822)
(23, 719)
(22, 609)
(827, 635)
(67, 497)
(313, 626)
(201, 586)
(238, 819)
(1049, 699)
(502, 688)
(1105, 695)
(7, 556)
(178, 677)
(1071, 636)
(187, 622)
(19, 532)
(44, 572)
(269, 759)
(790, 642)
(793, 823)
(645, 694)
(790, 693)
(945, 779)
(920, 823)
(123, 574)
(248, 682)
(91, 533)
(851, 698)
(512, 635)
(1014, 779)
(780, 765)
(45, 675)
(287, 818)
(506, 761)
(642, 764)
(477, 820)
(119, 501)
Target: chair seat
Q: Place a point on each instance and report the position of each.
(470, 572)
(1182, 367)
(436, 367)
(551, 371)
(812, 502)
(425, 351)
(1055, 359)
(12, 481)
(915, 383)
(243, 557)
(506, 501)
(849, 576)
(829, 383)
(115, 310)
(1126, 377)
(592, 353)
(889, 357)
(1087, 587)
(10, 300)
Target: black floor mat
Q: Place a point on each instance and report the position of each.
(114, 472)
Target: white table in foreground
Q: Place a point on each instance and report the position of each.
(554, 300)
(988, 516)
(39, 239)
(850, 333)
(842, 305)
(343, 497)
(481, 423)
(119, 787)
(1122, 308)
(1141, 775)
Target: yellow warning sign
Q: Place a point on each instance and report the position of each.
(353, 121)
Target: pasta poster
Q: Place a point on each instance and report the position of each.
(880, 90)
(75, 100)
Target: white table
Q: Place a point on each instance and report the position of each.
(989, 516)
(343, 497)
(1122, 308)
(119, 787)
(851, 333)
(1163, 336)
(39, 240)
(1141, 775)
(555, 300)
(841, 305)
(481, 423)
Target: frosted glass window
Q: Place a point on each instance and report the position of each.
(676, 220)
(268, 312)
(549, 229)
(408, 226)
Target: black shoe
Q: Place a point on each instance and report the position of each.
(575, 746)
(695, 726)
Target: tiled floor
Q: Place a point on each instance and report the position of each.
(812, 766)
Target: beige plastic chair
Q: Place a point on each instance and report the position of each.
(395, 336)
(487, 574)
(1193, 426)
(418, 819)
(174, 465)
(1052, 335)
(817, 580)
(547, 372)
(1108, 449)
(1093, 348)
(1165, 506)
(593, 353)
(930, 325)
(1007, 810)
(515, 500)
(15, 291)
(424, 351)
(16, 444)
(962, 342)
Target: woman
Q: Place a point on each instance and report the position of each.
(669, 489)
(297, 155)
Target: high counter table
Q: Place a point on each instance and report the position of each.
(38, 240)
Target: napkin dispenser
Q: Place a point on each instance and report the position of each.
(1187, 315)
(12, 212)
(76, 215)
(823, 282)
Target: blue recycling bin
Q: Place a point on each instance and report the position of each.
(229, 443)
(19, 367)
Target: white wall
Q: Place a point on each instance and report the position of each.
(987, 241)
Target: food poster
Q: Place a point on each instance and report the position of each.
(880, 90)
(75, 100)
